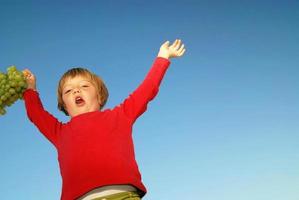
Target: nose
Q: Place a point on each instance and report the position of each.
(76, 90)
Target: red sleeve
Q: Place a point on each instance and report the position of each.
(48, 125)
(136, 103)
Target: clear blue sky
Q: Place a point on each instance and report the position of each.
(225, 122)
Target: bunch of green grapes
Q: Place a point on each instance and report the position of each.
(12, 86)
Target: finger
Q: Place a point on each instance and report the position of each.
(182, 52)
(181, 48)
(173, 45)
(178, 44)
(28, 74)
(25, 72)
(165, 44)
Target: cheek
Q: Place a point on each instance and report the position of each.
(93, 98)
(66, 101)
(96, 99)
(94, 95)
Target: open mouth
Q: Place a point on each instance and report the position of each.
(79, 101)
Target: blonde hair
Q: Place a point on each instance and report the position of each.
(95, 80)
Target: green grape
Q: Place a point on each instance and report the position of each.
(18, 77)
(2, 76)
(21, 84)
(15, 97)
(12, 91)
(18, 89)
(12, 86)
(2, 111)
(7, 95)
(3, 82)
(12, 68)
(13, 83)
(3, 98)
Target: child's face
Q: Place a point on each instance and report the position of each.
(79, 96)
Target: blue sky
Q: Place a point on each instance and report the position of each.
(225, 122)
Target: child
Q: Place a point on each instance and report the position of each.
(95, 148)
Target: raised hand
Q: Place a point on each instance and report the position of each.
(176, 49)
(30, 79)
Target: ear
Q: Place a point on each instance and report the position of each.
(99, 100)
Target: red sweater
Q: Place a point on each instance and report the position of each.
(96, 148)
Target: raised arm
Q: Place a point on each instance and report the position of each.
(48, 125)
(137, 102)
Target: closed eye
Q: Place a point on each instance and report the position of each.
(67, 91)
(85, 86)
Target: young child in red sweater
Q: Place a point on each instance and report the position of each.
(95, 148)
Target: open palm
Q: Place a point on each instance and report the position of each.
(176, 49)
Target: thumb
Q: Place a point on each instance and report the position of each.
(165, 44)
